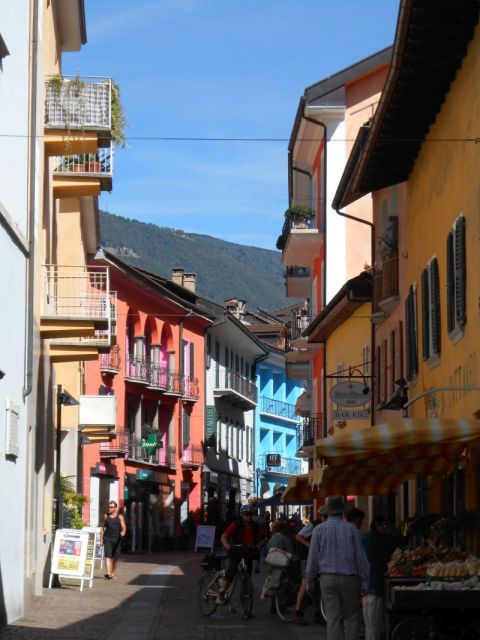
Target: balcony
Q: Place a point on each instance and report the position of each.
(297, 282)
(278, 409)
(149, 450)
(77, 114)
(238, 391)
(137, 370)
(297, 347)
(110, 362)
(385, 289)
(83, 174)
(192, 456)
(191, 389)
(174, 383)
(116, 448)
(286, 466)
(308, 433)
(76, 301)
(300, 242)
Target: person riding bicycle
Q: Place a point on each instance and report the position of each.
(241, 538)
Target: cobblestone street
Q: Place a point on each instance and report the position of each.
(154, 597)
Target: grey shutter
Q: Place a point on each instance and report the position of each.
(411, 338)
(211, 420)
(460, 271)
(450, 284)
(425, 316)
(435, 306)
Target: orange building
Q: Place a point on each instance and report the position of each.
(153, 466)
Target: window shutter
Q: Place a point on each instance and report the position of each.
(460, 271)
(192, 363)
(435, 306)
(186, 429)
(450, 284)
(425, 316)
(384, 376)
(408, 358)
(411, 335)
(399, 351)
(393, 354)
(378, 375)
(211, 419)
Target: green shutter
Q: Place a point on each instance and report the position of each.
(211, 419)
(425, 316)
(186, 429)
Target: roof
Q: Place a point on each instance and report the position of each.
(353, 294)
(430, 42)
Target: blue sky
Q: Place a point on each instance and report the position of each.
(221, 69)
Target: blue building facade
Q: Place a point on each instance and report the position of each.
(276, 426)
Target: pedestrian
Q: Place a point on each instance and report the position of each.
(303, 543)
(356, 517)
(111, 534)
(279, 540)
(377, 549)
(337, 554)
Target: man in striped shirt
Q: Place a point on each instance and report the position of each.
(337, 554)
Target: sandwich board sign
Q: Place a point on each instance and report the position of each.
(205, 537)
(69, 555)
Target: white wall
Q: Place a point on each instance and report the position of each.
(14, 28)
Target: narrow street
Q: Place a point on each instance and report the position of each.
(154, 597)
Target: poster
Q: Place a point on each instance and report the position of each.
(98, 555)
(90, 557)
(205, 537)
(70, 552)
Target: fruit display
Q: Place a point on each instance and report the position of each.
(469, 567)
(416, 562)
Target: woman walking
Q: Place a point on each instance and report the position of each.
(113, 530)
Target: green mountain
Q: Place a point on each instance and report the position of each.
(224, 269)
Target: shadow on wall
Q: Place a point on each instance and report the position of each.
(3, 610)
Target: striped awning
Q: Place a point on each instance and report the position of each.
(298, 490)
(406, 441)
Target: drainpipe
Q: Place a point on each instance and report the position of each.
(372, 329)
(30, 267)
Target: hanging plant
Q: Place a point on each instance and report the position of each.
(56, 82)
(119, 122)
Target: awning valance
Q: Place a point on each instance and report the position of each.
(401, 441)
(302, 405)
(298, 490)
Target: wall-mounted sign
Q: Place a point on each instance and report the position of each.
(350, 394)
(361, 414)
(273, 460)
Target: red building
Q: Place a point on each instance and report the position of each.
(153, 465)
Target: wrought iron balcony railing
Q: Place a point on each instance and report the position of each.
(291, 466)
(297, 272)
(296, 326)
(78, 103)
(236, 383)
(386, 282)
(192, 455)
(309, 430)
(116, 448)
(278, 408)
(76, 292)
(92, 165)
(191, 388)
(137, 369)
(111, 361)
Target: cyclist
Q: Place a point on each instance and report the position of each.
(239, 538)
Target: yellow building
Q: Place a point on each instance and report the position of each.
(423, 139)
(344, 328)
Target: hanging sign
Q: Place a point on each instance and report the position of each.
(350, 394)
(361, 414)
(273, 460)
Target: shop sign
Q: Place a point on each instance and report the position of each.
(273, 460)
(144, 474)
(361, 414)
(350, 394)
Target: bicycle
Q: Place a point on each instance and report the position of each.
(212, 581)
(285, 597)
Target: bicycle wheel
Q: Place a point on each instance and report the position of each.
(322, 609)
(245, 595)
(208, 588)
(414, 628)
(285, 601)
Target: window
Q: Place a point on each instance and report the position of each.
(411, 333)
(211, 419)
(366, 359)
(456, 280)
(431, 312)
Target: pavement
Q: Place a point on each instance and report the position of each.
(153, 598)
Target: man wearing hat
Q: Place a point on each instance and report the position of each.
(337, 554)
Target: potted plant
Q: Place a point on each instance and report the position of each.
(300, 215)
(92, 163)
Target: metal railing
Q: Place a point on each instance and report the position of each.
(78, 103)
(76, 292)
(158, 376)
(235, 382)
(116, 447)
(287, 465)
(191, 388)
(297, 272)
(289, 224)
(296, 326)
(137, 369)
(97, 164)
(142, 451)
(309, 430)
(192, 455)
(278, 408)
(386, 282)
(111, 361)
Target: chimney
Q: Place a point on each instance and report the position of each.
(236, 307)
(189, 281)
(177, 276)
